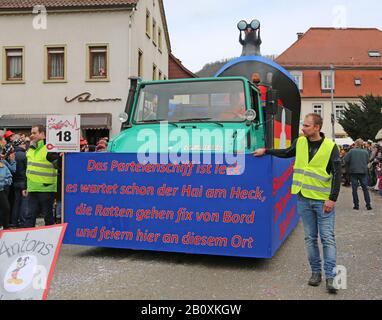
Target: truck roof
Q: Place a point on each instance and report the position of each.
(195, 80)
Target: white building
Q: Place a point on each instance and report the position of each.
(76, 58)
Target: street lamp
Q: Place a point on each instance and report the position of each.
(333, 117)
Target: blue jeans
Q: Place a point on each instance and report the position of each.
(315, 221)
(362, 178)
(38, 202)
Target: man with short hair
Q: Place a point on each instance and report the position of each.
(316, 182)
(41, 180)
(357, 160)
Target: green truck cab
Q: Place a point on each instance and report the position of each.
(196, 115)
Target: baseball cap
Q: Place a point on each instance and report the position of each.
(83, 142)
(8, 134)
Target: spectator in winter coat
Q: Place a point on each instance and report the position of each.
(19, 182)
(5, 181)
(358, 159)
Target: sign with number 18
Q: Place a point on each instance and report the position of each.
(63, 133)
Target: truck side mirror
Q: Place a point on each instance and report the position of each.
(250, 115)
(123, 117)
(129, 103)
(272, 101)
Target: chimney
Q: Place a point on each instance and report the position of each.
(299, 35)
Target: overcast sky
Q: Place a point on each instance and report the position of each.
(203, 31)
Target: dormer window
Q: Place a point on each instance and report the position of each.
(298, 77)
(374, 54)
(357, 82)
(327, 80)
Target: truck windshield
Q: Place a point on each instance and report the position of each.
(207, 101)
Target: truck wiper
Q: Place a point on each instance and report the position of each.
(158, 121)
(201, 119)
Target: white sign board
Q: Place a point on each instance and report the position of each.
(63, 133)
(27, 261)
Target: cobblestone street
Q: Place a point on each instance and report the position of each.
(98, 273)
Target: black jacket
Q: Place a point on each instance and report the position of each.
(56, 160)
(334, 165)
(20, 178)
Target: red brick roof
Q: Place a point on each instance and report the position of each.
(348, 50)
(340, 47)
(371, 83)
(29, 4)
(176, 70)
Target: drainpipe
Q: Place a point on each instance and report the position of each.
(129, 42)
(333, 116)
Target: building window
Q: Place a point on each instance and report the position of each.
(160, 75)
(357, 82)
(317, 108)
(327, 80)
(374, 54)
(140, 63)
(14, 64)
(154, 72)
(340, 109)
(98, 62)
(155, 34)
(148, 24)
(160, 39)
(55, 63)
(297, 75)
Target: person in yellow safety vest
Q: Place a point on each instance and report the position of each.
(316, 182)
(41, 181)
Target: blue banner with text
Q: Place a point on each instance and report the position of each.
(111, 200)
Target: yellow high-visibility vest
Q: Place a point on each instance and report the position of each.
(39, 170)
(311, 178)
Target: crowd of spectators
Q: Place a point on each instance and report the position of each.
(100, 146)
(15, 202)
(374, 166)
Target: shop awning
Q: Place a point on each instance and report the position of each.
(96, 121)
(88, 120)
(21, 120)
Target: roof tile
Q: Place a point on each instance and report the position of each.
(28, 4)
(371, 83)
(340, 47)
(177, 70)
